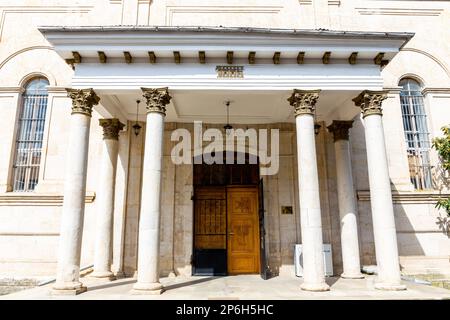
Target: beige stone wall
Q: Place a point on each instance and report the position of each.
(282, 231)
(421, 229)
(29, 232)
(133, 187)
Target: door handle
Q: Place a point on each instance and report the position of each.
(231, 233)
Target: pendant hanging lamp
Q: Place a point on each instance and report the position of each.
(136, 126)
(228, 126)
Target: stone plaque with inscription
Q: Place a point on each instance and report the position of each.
(230, 72)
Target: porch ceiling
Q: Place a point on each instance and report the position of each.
(247, 107)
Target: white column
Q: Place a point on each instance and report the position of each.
(347, 201)
(120, 203)
(150, 214)
(310, 214)
(106, 189)
(69, 252)
(380, 192)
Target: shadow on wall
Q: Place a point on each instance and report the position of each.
(407, 238)
(444, 225)
(407, 235)
(441, 182)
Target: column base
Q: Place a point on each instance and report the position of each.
(352, 276)
(68, 289)
(154, 288)
(103, 275)
(389, 286)
(315, 287)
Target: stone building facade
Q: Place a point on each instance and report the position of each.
(402, 55)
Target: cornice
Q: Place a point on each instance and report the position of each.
(56, 90)
(430, 197)
(435, 90)
(11, 90)
(401, 11)
(37, 199)
(393, 90)
(138, 41)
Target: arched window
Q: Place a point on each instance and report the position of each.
(416, 133)
(30, 134)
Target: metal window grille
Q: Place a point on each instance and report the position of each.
(30, 135)
(416, 134)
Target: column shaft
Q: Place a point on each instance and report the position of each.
(106, 189)
(150, 214)
(148, 271)
(347, 201)
(381, 203)
(347, 212)
(384, 231)
(69, 252)
(308, 180)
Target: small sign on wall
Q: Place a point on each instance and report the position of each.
(230, 71)
(286, 210)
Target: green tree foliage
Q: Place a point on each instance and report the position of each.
(442, 146)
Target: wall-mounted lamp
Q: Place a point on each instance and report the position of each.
(136, 126)
(317, 128)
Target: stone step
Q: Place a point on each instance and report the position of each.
(436, 280)
(7, 282)
(10, 285)
(10, 289)
(441, 283)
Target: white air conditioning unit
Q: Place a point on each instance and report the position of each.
(327, 259)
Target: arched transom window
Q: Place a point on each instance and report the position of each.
(29, 135)
(416, 133)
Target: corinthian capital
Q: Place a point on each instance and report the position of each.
(370, 102)
(111, 128)
(82, 100)
(157, 99)
(304, 101)
(340, 129)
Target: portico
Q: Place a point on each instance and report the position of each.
(293, 77)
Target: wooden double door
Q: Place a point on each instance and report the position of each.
(226, 230)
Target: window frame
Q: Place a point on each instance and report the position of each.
(417, 140)
(37, 124)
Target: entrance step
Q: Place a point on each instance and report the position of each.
(10, 285)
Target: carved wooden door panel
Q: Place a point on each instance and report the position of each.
(210, 215)
(210, 218)
(243, 230)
